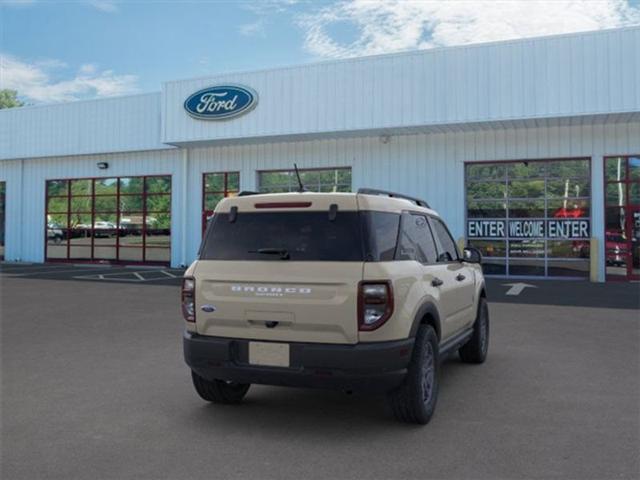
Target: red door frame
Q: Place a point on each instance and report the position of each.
(629, 208)
(67, 229)
(225, 193)
(3, 214)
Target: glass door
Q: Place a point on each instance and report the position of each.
(2, 215)
(622, 218)
(634, 244)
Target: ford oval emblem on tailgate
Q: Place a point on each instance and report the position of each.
(208, 308)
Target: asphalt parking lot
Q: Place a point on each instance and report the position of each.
(94, 386)
(93, 273)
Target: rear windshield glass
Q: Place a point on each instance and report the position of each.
(295, 236)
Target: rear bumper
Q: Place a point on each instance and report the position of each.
(362, 367)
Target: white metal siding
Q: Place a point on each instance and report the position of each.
(26, 203)
(426, 165)
(11, 173)
(120, 124)
(430, 166)
(562, 76)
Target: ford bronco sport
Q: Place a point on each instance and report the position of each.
(355, 291)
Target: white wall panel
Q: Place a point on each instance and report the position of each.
(11, 173)
(427, 165)
(430, 166)
(26, 193)
(119, 124)
(560, 76)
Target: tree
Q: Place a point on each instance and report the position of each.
(9, 99)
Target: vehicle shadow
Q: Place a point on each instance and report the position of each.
(314, 414)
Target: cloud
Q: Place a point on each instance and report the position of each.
(108, 6)
(40, 83)
(395, 25)
(253, 29)
(265, 7)
(88, 69)
(16, 3)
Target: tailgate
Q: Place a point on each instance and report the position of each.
(280, 301)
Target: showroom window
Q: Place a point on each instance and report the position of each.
(530, 218)
(215, 187)
(314, 180)
(120, 219)
(3, 188)
(622, 217)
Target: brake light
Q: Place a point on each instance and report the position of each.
(375, 304)
(283, 205)
(189, 299)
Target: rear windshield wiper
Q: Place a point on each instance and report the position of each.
(284, 254)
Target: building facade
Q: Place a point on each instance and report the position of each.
(529, 149)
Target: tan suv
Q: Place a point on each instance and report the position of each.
(353, 291)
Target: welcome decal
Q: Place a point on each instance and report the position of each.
(570, 229)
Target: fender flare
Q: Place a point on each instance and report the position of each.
(427, 308)
(482, 291)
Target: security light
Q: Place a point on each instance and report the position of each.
(103, 165)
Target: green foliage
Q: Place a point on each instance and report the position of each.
(9, 99)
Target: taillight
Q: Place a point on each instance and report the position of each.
(189, 299)
(375, 304)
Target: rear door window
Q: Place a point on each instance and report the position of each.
(304, 236)
(416, 241)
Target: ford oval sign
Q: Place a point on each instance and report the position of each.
(221, 102)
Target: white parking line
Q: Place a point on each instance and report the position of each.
(105, 276)
(135, 277)
(53, 271)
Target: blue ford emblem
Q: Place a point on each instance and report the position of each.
(208, 308)
(221, 102)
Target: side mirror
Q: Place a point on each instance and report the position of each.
(472, 255)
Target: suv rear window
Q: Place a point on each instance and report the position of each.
(305, 236)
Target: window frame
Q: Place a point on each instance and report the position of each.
(302, 170)
(506, 178)
(628, 206)
(226, 192)
(3, 215)
(144, 213)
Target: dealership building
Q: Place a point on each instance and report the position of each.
(529, 149)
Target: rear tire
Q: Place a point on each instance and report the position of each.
(219, 391)
(415, 400)
(475, 350)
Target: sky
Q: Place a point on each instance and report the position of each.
(58, 51)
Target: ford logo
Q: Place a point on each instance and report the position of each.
(221, 102)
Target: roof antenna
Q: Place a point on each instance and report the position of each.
(300, 184)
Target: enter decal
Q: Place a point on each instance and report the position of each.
(570, 229)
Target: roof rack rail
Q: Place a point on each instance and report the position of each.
(246, 193)
(375, 191)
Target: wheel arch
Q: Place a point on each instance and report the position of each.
(427, 314)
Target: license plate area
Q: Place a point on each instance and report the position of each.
(269, 354)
